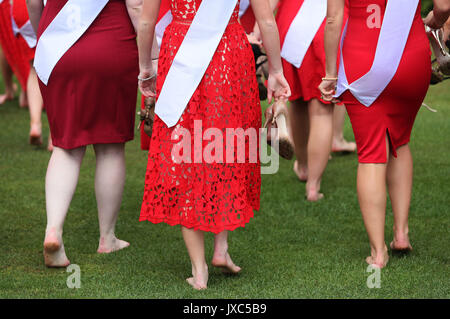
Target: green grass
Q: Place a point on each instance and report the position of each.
(291, 249)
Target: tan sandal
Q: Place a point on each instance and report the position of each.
(277, 117)
(440, 52)
(147, 115)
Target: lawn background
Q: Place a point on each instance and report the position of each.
(291, 249)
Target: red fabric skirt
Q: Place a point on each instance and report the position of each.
(395, 110)
(210, 197)
(91, 94)
(16, 50)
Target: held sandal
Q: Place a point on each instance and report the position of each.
(147, 115)
(441, 65)
(277, 117)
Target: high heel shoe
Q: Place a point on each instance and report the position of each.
(442, 56)
(147, 116)
(276, 117)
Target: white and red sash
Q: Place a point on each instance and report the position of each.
(66, 28)
(193, 58)
(26, 31)
(394, 33)
(166, 17)
(302, 31)
(243, 7)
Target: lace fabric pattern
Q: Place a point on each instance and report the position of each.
(205, 196)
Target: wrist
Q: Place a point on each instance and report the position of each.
(146, 71)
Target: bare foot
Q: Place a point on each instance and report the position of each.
(343, 146)
(301, 172)
(23, 99)
(6, 97)
(378, 260)
(199, 279)
(401, 244)
(314, 196)
(54, 253)
(35, 134)
(225, 263)
(109, 245)
(313, 193)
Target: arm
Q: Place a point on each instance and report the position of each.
(134, 8)
(35, 8)
(256, 32)
(333, 29)
(437, 18)
(146, 40)
(269, 34)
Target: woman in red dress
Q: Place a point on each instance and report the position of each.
(7, 73)
(383, 128)
(311, 117)
(14, 58)
(27, 47)
(201, 197)
(90, 98)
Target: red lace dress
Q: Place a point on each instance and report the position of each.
(217, 196)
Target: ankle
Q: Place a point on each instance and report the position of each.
(220, 249)
(379, 251)
(107, 237)
(312, 186)
(401, 233)
(53, 231)
(199, 268)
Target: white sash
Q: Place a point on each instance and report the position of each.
(26, 31)
(161, 26)
(167, 18)
(302, 30)
(66, 28)
(193, 58)
(394, 33)
(243, 6)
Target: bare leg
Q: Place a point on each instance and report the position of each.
(50, 143)
(60, 184)
(7, 79)
(23, 99)
(319, 145)
(194, 240)
(109, 183)
(339, 143)
(400, 179)
(371, 186)
(35, 106)
(300, 133)
(221, 256)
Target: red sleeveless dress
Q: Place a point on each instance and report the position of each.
(395, 110)
(209, 197)
(303, 81)
(91, 94)
(16, 50)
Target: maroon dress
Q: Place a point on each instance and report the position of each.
(91, 94)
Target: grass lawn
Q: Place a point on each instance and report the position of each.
(291, 249)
